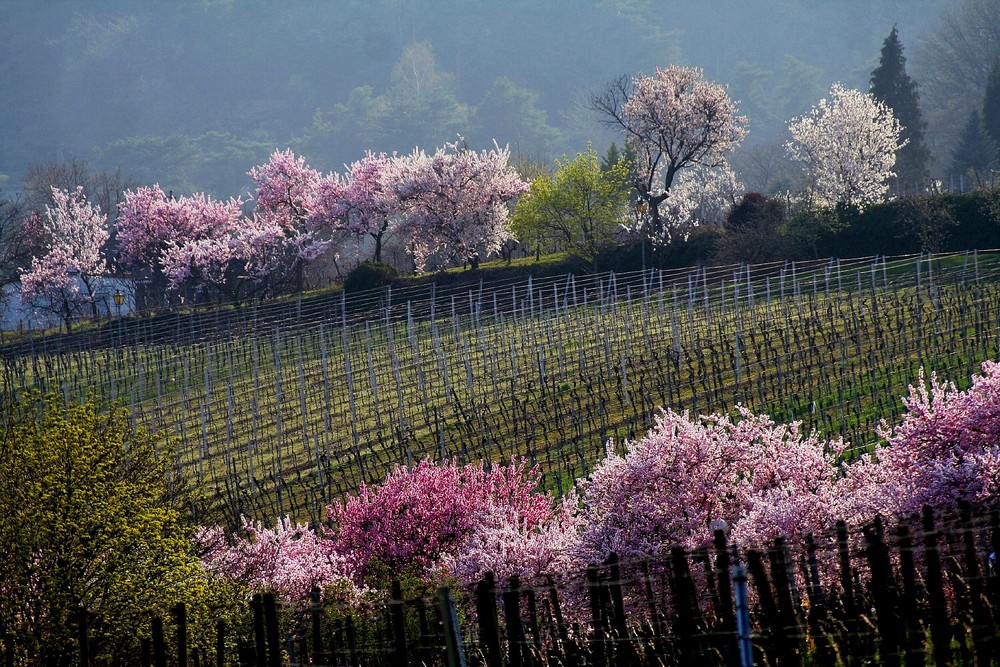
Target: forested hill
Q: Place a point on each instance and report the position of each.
(190, 94)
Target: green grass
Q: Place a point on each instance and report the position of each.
(264, 422)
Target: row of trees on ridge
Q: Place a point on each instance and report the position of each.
(456, 205)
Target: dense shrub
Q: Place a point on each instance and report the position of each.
(88, 520)
(942, 223)
(370, 275)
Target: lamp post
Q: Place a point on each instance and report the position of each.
(119, 300)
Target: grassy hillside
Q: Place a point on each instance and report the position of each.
(280, 409)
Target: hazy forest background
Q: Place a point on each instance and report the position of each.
(190, 94)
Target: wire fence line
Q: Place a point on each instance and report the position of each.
(280, 409)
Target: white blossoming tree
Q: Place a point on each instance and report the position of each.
(675, 121)
(62, 280)
(847, 146)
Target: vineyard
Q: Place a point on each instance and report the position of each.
(276, 409)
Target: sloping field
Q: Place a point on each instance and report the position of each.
(279, 411)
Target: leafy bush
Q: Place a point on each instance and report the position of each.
(88, 520)
(370, 275)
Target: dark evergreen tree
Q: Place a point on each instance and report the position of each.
(892, 85)
(991, 104)
(975, 153)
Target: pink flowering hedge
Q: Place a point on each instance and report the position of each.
(763, 479)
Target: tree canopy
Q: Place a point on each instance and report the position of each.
(578, 209)
(673, 120)
(847, 145)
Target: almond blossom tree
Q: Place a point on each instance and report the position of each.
(205, 253)
(673, 120)
(148, 222)
(63, 279)
(507, 546)
(418, 518)
(187, 242)
(699, 196)
(289, 559)
(847, 146)
(455, 202)
(282, 232)
(362, 202)
(944, 451)
(763, 479)
(199, 243)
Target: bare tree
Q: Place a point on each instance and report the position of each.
(952, 64)
(17, 243)
(103, 188)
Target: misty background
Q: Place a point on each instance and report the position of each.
(191, 95)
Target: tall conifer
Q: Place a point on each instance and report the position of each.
(991, 104)
(892, 85)
(975, 153)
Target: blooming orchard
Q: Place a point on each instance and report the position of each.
(448, 522)
(669, 488)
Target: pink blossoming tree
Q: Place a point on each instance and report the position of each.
(63, 279)
(363, 202)
(416, 519)
(282, 238)
(289, 559)
(763, 479)
(187, 242)
(209, 253)
(945, 450)
(455, 202)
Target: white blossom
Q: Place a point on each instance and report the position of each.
(847, 146)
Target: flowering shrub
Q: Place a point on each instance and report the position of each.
(419, 516)
(289, 559)
(509, 547)
(945, 450)
(763, 479)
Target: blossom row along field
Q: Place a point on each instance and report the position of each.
(688, 477)
(272, 418)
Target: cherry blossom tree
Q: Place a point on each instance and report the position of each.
(847, 146)
(673, 120)
(455, 202)
(63, 279)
